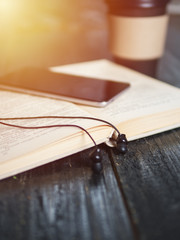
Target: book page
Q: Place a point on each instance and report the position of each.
(16, 142)
(146, 102)
(146, 96)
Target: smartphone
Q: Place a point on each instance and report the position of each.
(77, 89)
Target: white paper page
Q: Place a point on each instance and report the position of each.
(16, 142)
(145, 96)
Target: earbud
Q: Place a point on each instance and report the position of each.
(121, 143)
(96, 158)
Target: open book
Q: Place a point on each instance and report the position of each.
(147, 107)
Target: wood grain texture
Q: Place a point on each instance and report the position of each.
(138, 195)
(64, 200)
(149, 176)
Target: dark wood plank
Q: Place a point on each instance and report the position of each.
(64, 200)
(149, 176)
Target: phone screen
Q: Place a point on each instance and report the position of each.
(78, 89)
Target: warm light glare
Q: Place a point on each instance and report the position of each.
(46, 32)
(32, 30)
(7, 7)
(5, 4)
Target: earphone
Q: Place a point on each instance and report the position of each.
(120, 142)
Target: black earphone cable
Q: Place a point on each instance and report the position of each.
(121, 141)
(65, 117)
(50, 126)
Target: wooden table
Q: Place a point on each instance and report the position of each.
(136, 197)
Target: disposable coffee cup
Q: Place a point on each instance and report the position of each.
(137, 33)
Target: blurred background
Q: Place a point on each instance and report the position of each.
(169, 65)
(55, 32)
(51, 32)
